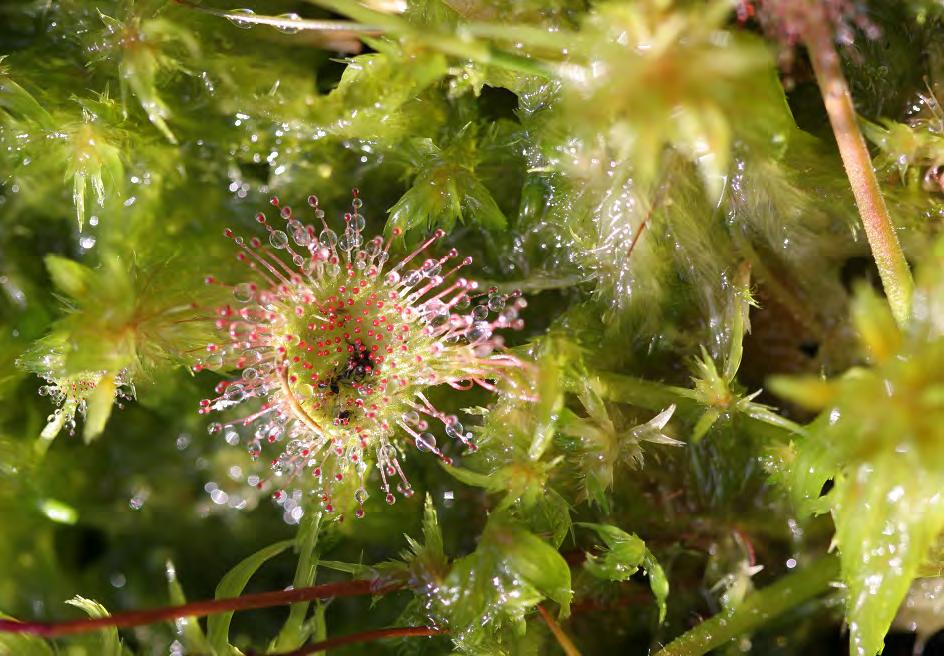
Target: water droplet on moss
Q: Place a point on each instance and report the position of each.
(241, 23)
(287, 28)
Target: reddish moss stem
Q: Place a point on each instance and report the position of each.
(570, 649)
(364, 636)
(892, 266)
(200, 608)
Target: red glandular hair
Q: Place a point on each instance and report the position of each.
(336, 347)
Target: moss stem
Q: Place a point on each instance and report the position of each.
(757, 609)
(892, 266)
(566, 644)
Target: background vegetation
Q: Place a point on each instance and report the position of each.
(724, 391)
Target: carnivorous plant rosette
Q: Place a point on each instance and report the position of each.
(336, 346)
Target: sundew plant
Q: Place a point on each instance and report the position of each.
(475, 327)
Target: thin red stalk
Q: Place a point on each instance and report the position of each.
(365, 636)
(200, 608)
(570, 649)
(656, 201)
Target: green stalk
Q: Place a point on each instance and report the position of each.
(892, 266)
(656, 396)
(533, 37)
(640, 392)
(292, 634)
(757, 609)
(566, 644)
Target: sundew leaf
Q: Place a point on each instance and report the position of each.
(188, 627)
(625, 554)
(110, 644)
(232, 585)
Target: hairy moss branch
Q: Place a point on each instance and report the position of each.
(566, 644)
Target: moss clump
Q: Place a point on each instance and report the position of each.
(681, 381)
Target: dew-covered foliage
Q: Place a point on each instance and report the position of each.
(606, 351)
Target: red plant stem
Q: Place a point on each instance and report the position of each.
(365, 636)
(200, 608)
(570, 649)
(656, 201)
(886, 251)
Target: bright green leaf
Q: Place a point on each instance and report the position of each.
(58, 511)
(534, 560)
(69, 277)
(624, 556)
(888, 514)
(110, 644)
(232, 585)
(294, 632)
(99, 405)
(18, 644)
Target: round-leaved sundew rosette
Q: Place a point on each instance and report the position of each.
(336, 347)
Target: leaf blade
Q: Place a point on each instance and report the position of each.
(232, 585)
